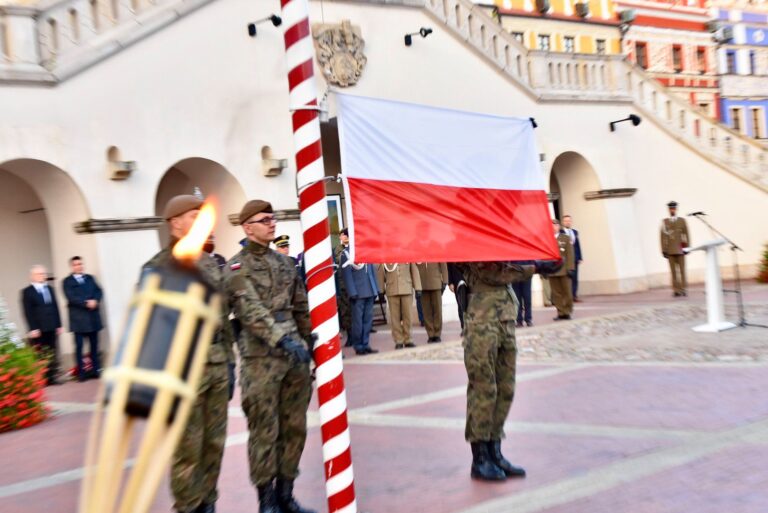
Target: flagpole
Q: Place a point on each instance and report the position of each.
(318, 261)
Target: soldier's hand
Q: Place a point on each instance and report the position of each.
(296, 351)
(231, 375)
(547, 267)
(382, 298)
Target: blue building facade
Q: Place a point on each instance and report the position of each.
(743, 64)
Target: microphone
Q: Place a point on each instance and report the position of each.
(699, 213)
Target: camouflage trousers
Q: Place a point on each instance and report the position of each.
(275, 399)
(197, 459)
(490, 357)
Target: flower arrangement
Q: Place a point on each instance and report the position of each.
(22, 380)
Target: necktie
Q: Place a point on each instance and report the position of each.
(46, 295)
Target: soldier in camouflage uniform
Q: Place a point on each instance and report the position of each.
(197, 459)
(490, 355)
(269, 299)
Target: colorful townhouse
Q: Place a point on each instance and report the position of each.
(589, 27)
(742, 57)
(671, 40)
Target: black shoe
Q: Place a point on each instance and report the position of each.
(558, 318)
(53, 382)
(348, 344)
(483, 467)
(370, 350)
(685, 294)
(410, 344)
(519, 324)
(206, 508)
(494, 449)
(361, 351)
(529, 323)
(435, 340)
(285, 499)
(267, 499)
(373, 330)
(399, 346)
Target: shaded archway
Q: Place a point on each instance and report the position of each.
(39, 204)
(214, 181)
(572, 176)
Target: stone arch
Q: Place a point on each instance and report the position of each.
(215, 182)
(39, 204)
(571, 176)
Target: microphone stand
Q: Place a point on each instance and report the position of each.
(739, 296)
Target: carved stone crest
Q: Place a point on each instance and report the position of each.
(340, 53)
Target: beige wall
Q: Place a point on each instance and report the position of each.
(202, 88)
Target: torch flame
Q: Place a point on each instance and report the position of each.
(191, 245)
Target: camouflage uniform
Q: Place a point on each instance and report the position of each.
(270, 300)
(197, 459)
(342, 297)
(490, 351)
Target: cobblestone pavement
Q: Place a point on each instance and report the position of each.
(624, 410)
(649, 334)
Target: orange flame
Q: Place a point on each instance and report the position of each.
(191, 245)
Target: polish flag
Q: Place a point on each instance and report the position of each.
(425, 184)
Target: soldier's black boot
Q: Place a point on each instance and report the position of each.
(494, 448)
(285, 499)
(483, 466)
(267, 499)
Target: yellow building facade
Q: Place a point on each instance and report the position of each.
(561, 25)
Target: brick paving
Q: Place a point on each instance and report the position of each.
(623, 410)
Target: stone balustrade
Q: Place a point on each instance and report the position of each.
(54, 39)
(553, 76)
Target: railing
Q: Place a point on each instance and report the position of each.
(551, 76)
(54, 39)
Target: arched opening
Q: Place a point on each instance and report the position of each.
(39, 204)
(214, 181)
(571, 176)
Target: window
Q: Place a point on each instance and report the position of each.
(752, 62)
(641, 55)
(736, 119)
(704, 108)
(757, 131)
(730, 61)
(600, 46)
(569, 44)
(544, 42)
(677, 58)
(701, 59)
(518, 37)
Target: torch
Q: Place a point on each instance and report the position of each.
(152, 380)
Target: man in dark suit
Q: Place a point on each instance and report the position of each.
(83, 301)
(42, 315)
(574, 234)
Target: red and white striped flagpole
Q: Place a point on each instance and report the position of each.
(321, 289)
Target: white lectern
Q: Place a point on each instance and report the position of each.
(714, 287)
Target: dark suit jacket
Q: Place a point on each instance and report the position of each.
(39, 315)
(577, 245)
(360, 283)
(81, 318)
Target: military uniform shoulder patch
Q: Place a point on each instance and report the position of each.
(235, 266)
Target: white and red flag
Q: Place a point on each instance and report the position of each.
(425, 184)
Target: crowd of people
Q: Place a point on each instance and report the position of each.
(266, 315)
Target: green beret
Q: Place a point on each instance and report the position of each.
(182, 204)
(254, 207)
(282, 240)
